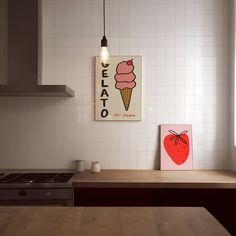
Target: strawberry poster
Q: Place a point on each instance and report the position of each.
(118, 89)
(176, 147)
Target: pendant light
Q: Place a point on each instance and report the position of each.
(104, 55)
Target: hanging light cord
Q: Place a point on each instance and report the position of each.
(104, 18)
(104, 39)
(104, 55)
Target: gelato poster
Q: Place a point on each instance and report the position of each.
(118, 89)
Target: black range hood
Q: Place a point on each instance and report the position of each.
(23, 63)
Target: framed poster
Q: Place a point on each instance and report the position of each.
(176, 147)
(118, 92)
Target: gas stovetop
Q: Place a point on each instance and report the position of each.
(35, 188)
(36, 179)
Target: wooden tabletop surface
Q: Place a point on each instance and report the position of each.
(108, 221)
(156, 178)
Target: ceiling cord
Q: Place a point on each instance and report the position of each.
(104, 18)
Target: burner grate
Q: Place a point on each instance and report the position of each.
(9, 177)
(36, 178)
(62, 178)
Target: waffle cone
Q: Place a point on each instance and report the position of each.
(126, 97)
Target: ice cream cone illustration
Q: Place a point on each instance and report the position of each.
(125, 81)
(126, 97)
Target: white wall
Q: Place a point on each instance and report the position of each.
(185, 46)
(233, 95)
(232, 161)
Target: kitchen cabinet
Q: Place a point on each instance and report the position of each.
(214, 190)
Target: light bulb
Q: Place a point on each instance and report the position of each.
(104, 55)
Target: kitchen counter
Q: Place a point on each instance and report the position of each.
(156, 179)
(116, 221)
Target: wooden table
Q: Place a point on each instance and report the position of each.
(108, 221)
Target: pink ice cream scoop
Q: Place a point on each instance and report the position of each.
(124, 75)
(124, 78)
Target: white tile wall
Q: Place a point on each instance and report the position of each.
(233, 91)
(185, 46)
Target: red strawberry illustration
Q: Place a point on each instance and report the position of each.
(177, 146)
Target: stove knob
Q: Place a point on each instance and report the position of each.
(22, 193)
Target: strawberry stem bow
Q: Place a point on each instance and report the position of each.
(178, 137)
